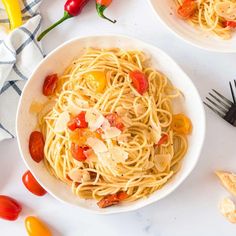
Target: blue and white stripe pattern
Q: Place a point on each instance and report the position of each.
(19, 55)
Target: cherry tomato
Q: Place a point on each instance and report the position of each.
(231, 24)
(112, 199)
(140, 81)
(78, 152)
(80, 136)
(32, 185)
(181, 124)
(36, 227)
(9, 208)
(78, 122)
(187, 9)
(50, 84)
(115, 121)
(36, 146)
(163, 139)
(96, 80)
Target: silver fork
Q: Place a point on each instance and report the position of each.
(222, 106)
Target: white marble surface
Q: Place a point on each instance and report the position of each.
(192, 208)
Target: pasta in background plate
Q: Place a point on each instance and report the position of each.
(109, 128)
(216, 16)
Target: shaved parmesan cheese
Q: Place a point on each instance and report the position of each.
(97, 145)
(36, 107)
(162, 161)
(91, 156)
(156, 130)
(105, 125)
(94, 118)
(61, 122)
(118, 155)
(79, 175)
(77, 107)
(111, 132)
(227, 10)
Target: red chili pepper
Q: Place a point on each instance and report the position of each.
(71, 8)
(101, 6)
(9, 208)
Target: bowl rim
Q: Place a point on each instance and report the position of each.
(144, 203)
(189, 41)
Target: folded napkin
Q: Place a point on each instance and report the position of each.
(19, 55)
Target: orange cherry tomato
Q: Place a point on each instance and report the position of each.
(115, 121)
(181, 124)
(9, 208)
(50, 84)
(36, 146)
(140, 81)
(163, 139)
(187, 9)
(96, 80)
(112, 199)
(78, 122)
(78, 152)
(32, 184)
(36, 227)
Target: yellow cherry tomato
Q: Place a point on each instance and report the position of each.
(181, 124)
(36, 227)
(96, 80)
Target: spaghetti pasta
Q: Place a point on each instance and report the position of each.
(216, 16)
(125, 138)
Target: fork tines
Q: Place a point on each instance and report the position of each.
(232, 91)
(218, 103)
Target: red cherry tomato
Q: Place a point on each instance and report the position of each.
(140, 81)
(36, 146)
(163, 139)
(50, 84)
(78, 152)
(187, 9)
(9, 208)
(115, 121)
(32, 185)
(78, 122)
(231, 24)
(112, 199)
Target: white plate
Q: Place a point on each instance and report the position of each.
(166, 12)
(56, 62)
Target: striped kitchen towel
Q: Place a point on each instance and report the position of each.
(19, 55)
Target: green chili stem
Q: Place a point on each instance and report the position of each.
(100, 10)
(65, 17)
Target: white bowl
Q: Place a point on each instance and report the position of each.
(56, 62)
(166, 12)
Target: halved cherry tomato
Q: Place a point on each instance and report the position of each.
(32, 184)
(115, 121)
(231, 24)
(163, 139)
(78, 152)
(80, 136)
(112, 199)
(181, 124)
(50, 84)
(140, 81)
(36, 146)
(36, 227)
(9, 208)
(96, 80)
(78, 122)
(187, 9)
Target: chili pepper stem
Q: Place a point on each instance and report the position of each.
(100, 10)
(65, 17)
